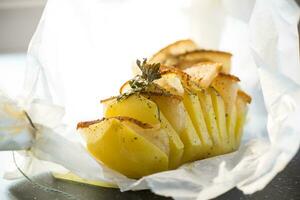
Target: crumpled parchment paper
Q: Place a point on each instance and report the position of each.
(82, 51)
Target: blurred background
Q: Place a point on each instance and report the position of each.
(18, 21)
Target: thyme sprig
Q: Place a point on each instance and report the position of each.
(144, 83)
(150, 72)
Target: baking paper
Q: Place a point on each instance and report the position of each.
(82, 51)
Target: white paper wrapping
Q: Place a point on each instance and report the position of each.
(82, 51)
(15, 130)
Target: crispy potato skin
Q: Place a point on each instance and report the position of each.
(174, 49)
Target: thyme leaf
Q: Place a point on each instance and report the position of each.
(150, 72)
(144, 82)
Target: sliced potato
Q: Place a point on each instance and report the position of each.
(176, 114)
(138, 107)
(204, 72)
(189, 59)
(187, 82)
(122, 149)
(172, 83)
(156, 136)
(219, 109)
(210, 120)
(176, 145)
(170, 105)
(226, 85)
(244, 96)
(231, 118)
(241, 104)
(165, 55)
(135, 106)
(193, 110)
(193, 147)
(173, 109)
(192, 105)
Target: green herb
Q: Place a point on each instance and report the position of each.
(150, 72)
(144, 83)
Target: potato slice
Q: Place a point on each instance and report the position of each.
(244, 96)
(170, 105)
(186, 81)
(176, 145)
(165, 55)
(121, 148)
(241, 104)
(176, 114)
(192, 105)
(219, 109)
(171, 83)
(226, 85)
(173, 109)
(193, 147)
(138, 107)
(156, 136)
(135, 106)
(231, 119)
(204, 72)
(195, 115)
(189, 59)
(210, 120)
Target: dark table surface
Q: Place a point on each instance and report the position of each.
(285, 186)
